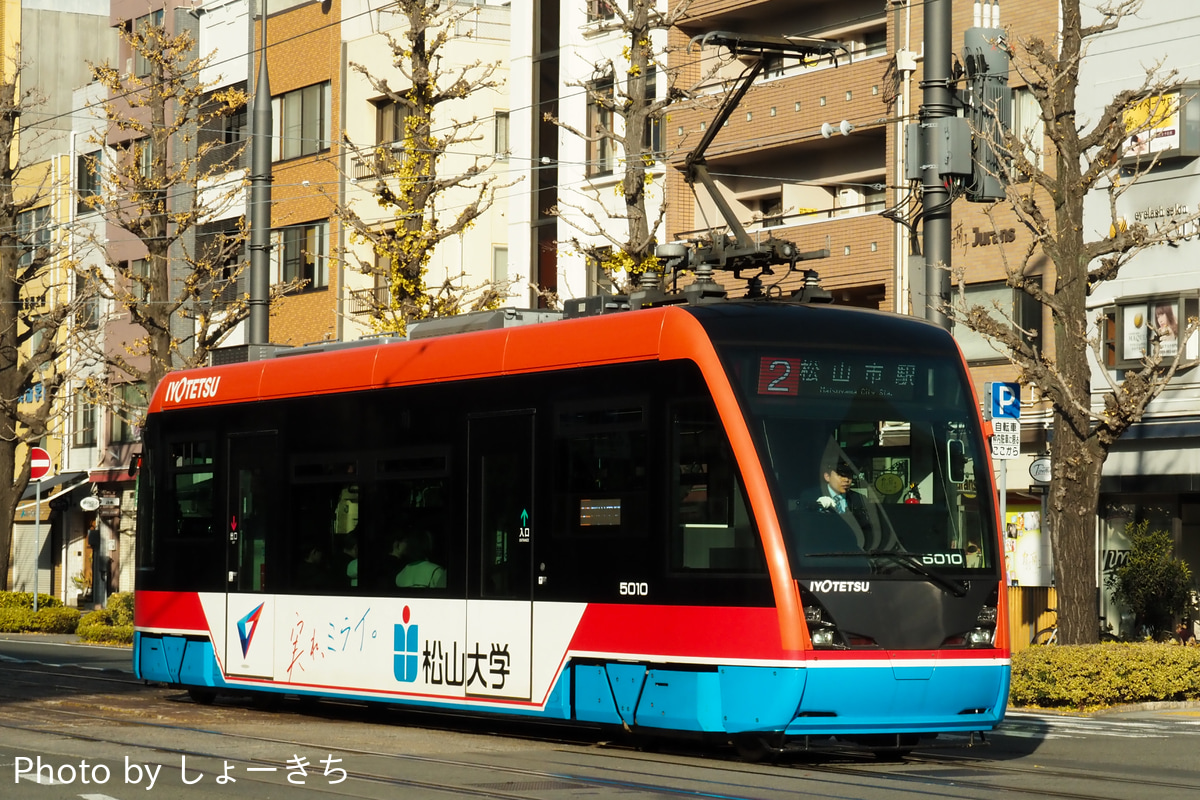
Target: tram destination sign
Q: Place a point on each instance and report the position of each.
(782, 376)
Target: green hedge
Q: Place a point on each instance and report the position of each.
(113, 624)
(25, 600)
(103, 626)
(1095, 676)
(16, 616)
(14, 619)
(121, 606)
(56, 619)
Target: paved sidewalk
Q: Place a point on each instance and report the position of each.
(55, 638)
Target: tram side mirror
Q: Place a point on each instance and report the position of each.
(956, 461)
(135, 464)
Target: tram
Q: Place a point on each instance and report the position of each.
(622, 519)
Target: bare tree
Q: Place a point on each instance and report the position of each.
(183, 295)
(627, 116)
(36, 309)
(427, 204)
(1083, 156)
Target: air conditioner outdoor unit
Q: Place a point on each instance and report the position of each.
(849, 198)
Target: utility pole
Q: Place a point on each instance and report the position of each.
(260, 197)
(937, 104)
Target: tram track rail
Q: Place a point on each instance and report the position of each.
(816, 773)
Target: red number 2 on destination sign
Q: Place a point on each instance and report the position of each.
(778, 376)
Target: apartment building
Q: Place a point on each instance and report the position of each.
(479, 254)
(1152, 473)
(56, 39)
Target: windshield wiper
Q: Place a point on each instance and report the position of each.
(907, 560)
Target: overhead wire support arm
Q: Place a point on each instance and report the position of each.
(754, 51)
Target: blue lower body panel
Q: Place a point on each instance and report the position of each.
(820, 701)
(857, 698)
(175, 659)
(880, 699)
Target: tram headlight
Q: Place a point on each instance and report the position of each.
(823, 637)
(980, 637)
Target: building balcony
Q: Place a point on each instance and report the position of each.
(364, 301)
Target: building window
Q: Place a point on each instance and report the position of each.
(770, 211)
(499, 265)
(139, 279)
(224, 136)
(503, 150)
(87, 309)
(141, 64)
(127, 418)
(599, 281)
(653, 136)
(33, 228)
(1029, 127)
(219, 251)
(87, 180)
(1008, 306)
(875, 42)
(302, 121)
(874, 197)
(389, 120)
(866, 43)
(144, 152)
(600, 155)
(601, 9)
(85, 421)
(303, 254)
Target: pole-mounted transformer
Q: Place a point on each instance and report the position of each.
(988, 103)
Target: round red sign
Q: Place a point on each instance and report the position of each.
(39, 464)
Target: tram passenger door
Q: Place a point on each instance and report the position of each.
(499, 635)
(250, 611)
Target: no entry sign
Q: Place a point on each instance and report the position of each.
(39, 465)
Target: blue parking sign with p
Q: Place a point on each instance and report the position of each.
(1006, 400)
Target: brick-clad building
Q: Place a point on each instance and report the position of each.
(305, 65)
(814, 154)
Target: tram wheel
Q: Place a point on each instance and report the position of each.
(753, 748)
(897, 748)
(203, 697)
(266, 701)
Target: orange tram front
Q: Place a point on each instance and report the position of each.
(741, 519)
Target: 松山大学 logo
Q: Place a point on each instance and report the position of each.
(407, 651)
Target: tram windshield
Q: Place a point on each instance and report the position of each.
(874, 458)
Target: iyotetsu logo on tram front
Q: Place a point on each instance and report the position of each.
(839, 586)
(192, 389)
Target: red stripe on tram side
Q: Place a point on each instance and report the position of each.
(176, 611)
(716, 633)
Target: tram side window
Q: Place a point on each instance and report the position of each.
(189, 551)
(602, 457)
(192, 489)
(409, 544)
(325, 513)
(712, 528)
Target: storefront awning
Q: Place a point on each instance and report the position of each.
(53, 487)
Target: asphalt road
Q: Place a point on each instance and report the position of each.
(70, 714)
